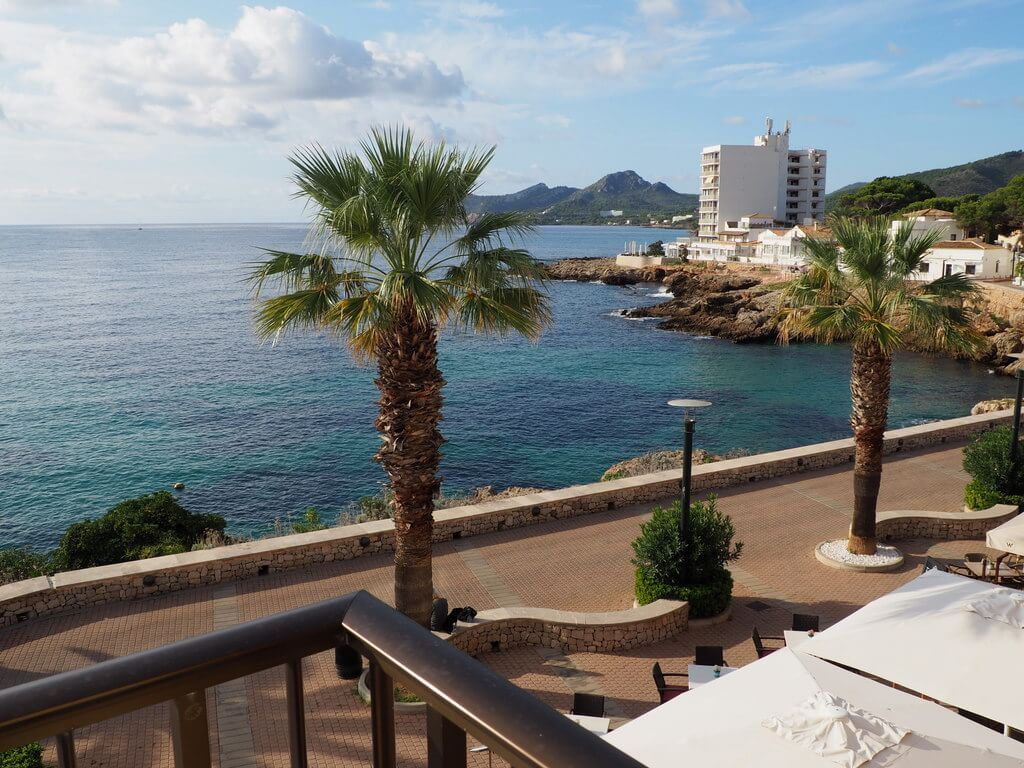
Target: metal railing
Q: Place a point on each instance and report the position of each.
(462, 695)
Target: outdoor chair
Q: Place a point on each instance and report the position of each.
(588, 704)
(709, 656)
(977, 565)
(665, 690)
(760, 647)
(931, 564)
(806, 622)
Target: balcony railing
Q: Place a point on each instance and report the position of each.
(462, 695)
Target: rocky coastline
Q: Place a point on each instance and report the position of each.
(740, 303)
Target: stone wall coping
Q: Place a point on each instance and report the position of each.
(644, 613)
(998, 510)
(18, 590)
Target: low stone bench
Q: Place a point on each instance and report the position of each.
(500, 629)
(942, 526)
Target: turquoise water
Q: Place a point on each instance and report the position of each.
(129, 363)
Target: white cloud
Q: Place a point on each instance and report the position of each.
(658, 10)
(734, 120)
(558, 121)
(964, 62)
(468, 9)
(17, 6)
(894, 49)
(195, 77)
(971, 103)
(769, 74)
(727, 8)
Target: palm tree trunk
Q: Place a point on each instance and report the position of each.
(869, 388)
(410, 385)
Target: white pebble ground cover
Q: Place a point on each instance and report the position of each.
(836, 550)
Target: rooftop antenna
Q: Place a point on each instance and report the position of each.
(768, 126)
(788, 126)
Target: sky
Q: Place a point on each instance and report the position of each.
(152, 111)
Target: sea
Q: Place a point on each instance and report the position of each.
(128, 363)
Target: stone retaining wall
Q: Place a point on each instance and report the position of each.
(125, 581)
(503, 628)
(942, 526)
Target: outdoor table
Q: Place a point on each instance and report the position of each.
(795, 637)
(598, 725)
(989, 571)
(703, 673)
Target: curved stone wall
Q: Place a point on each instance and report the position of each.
(943, 526)
(503, 628)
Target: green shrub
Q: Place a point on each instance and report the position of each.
(149, 526)
(995, 480)
(705, 599)
(978, 496)
(311, 521)
(659, 558)
(987, 460)
(29, 756)
(17, 563)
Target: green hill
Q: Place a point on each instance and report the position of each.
(977, 177)
(625, 190)
(980, 177)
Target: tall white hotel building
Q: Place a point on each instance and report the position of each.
(765, 180)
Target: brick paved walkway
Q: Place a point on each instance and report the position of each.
(580, 564)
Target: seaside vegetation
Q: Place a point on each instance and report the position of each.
(659, 556)
(397, 258)
(857, 290)
(28, 756)
(995, 479)
(997, 212)
(148, 526)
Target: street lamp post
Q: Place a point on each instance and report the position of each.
(684, 507)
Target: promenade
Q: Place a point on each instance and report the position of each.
(580, 564)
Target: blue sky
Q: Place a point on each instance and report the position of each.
(131, 111)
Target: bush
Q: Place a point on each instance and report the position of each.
(17, 563)
(995, 480)
(659, 558)
(29, 756)
(705, 599)
(311, 521)
(149, 526)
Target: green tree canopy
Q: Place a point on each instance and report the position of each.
(883, 196)
(943, 203)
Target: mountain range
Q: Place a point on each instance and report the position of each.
(978, 177)
(625, 190)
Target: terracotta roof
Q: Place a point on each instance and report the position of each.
(967, 244)
(935, 212)
(821, 233)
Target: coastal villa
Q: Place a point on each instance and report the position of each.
(973, 258)
(931, 220)
(785, 185)
(758, 239)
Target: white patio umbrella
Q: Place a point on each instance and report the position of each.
(775, 713)
(948, 637)
(1008, 537)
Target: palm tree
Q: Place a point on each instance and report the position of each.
(396, 259)
(857, 289)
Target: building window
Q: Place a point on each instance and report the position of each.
(924, 266)
(969, 269)
(952, 236)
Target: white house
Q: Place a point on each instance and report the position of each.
(784, 247)
(788, 185)
(931, 220)
(964, 257)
